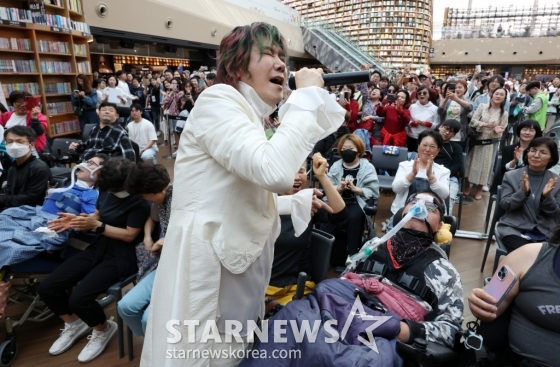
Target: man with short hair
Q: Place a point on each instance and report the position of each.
(153, 97)
(451, 157)
(29, 177)
(107, 137)
(137, 90)
(121, 80)
(383, 84)
(211, 79)
(375, 77)
(537, 110)
(143, 133)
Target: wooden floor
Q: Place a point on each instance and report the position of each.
(34, 339)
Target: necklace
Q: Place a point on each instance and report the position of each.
(446, 152)
(538, 188)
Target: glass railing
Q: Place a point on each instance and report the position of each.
(500, 30)
(337, 35)
(355, 59)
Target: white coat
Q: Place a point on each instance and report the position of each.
(218, 248)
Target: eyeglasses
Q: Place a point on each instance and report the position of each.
(391, 91)
(423, 93)
(92, 163)
(429, 206)
(19, 141)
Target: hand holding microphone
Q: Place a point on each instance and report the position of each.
(308, 78)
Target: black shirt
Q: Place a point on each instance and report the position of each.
(26, 184)
(131, 211)
(155, 96)
(451, 157)
(291, 253)
(139, 92)
(347, 194)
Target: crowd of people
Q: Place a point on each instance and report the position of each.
(244, 205)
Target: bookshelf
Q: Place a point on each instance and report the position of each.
(43, 55)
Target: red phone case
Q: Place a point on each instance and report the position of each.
(32, 102)
(501, 283)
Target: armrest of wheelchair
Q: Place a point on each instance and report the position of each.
(370, 210)
(434, 354)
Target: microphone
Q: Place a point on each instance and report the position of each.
(338, 78)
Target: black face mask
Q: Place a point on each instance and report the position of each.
(348, 156)
(407, 243)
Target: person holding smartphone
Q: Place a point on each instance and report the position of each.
(347, 101)
(85, 98)
(534, 327)
(394, 109)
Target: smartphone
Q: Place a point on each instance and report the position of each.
(32, 102)
(391, 97)
(406, 80)
(345, 95)
(501, 283)
(274, 115)
(478, 68)
(76, 91)
(205, 68)
(451, 87)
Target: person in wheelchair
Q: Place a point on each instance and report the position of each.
(118, 222)
(152, 183)
(530, 197)
(356, 180)
(19, 240)
(422, 173)
(429, 275)
(533, 334)
(29, 177)
(291, 252)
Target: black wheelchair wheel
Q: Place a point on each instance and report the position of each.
(8, 352)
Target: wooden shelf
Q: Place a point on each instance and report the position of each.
(64, 134)
(57, 95)
(54, 6)
(84, 56)
(17, 51)
(74, 12)
(53, 53)
(60, 114)
(48, 74)
(18, 73)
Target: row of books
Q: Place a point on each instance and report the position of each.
(53, 20)
(53, 46)
(75, 5)
(57, 88)
(17, 66)
(53, 67)
(56, 2)
(32, 88)
(64, 127)
(83, 67)
(57, 108)
(23, 44)
(80, 50)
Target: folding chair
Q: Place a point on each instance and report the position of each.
(492, 197)
(498, 213)
(319, 257)
(387, 162)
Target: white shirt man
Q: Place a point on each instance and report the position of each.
(143, 133)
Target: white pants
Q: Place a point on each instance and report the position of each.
(149, 155)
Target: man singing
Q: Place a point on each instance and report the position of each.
(225, 218)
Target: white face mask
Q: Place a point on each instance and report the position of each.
(121, 194)
(17, 150)
(91, 171)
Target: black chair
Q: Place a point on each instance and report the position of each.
(492, 197)
(116, 291)
(61, 154)
(136, 149)
(387, 162)
(319, 257)
(501, 250)
(87, 131)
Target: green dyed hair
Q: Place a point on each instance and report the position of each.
(235, 49)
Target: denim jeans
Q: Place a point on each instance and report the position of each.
(134, 308)
(149, 155)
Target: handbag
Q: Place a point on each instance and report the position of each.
(77, 110)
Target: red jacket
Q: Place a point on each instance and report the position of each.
(41, 141)
(353, 107)
(395, 121)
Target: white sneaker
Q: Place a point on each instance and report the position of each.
(70, 334)
(98, 341)
(485, 188)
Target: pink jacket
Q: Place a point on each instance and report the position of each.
(41, 141)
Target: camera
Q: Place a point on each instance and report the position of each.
(502, 273)
(391, 97)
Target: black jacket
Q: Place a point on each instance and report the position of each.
(26, 185)
(451, 157)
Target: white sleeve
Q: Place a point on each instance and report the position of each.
(400, 183)
(238, 143)
(299, 207)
